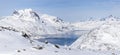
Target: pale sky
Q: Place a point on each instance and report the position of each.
(68, 10)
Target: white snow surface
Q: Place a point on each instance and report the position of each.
(10, 41)
(104, 37)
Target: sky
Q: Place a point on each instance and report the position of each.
(68, 10)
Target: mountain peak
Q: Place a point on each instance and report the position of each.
(110, 18)
(26, 14)
(22, 12)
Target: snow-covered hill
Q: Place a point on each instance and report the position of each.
(11, 41)
(103, 37)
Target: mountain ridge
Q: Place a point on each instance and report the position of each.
(30, 22)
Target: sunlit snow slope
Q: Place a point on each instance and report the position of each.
(103, 37)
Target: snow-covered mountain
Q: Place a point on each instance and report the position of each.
(110, 18)
(93, 23)
(103, 37)
(34, 24)
(16, 30)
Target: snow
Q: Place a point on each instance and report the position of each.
(27, 14)
(104, 37)
(10, 41)
(32, 23)
(20, 34)
(62, 52)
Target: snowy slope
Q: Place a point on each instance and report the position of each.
(104, 37)
(11, 41)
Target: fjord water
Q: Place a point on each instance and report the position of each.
(63, 39)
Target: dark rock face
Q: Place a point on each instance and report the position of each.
(56, 46)
(25, 35)
(34, 14)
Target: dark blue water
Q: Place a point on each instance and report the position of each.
(65, 39)
(59, 41)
